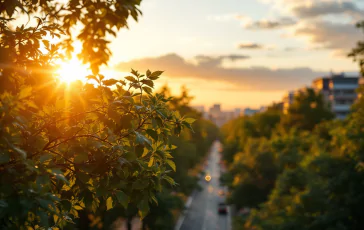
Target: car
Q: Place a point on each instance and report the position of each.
(221, 192)
(207, 178)
(222, 208)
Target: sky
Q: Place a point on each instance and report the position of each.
(240, 53)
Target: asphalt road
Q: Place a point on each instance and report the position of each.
(202, 213)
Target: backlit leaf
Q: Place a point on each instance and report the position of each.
(155, 75)
(109, 82)
(171, 164)
(109, 203)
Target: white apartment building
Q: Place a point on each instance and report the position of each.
(339, 91)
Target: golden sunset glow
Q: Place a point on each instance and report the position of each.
(72, 70)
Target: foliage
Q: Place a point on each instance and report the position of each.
(68, 151)
(307, 110)
(358, 52)
(307, 174)
(89, 22)
(238, 131)
(192, 148)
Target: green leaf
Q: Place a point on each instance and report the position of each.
(109, 203)
(110, 82)
(129, 98)
(83, 177)
(171, 164)
(122, 198)
(125, 121)
(101, 77)
(143, 207)
(148, 73)
(169, 180)
(130, 156)
(4, 157)
(171, 147)
(148, 83)
(139, 149)
(157, 122)
(92, 77)
(162, 113)
(153, 134)
(45, 203)
(177, 130)
(46, 43)
(43, 218)
(62, 178)
(25, 92)
(140, 139)
(139, 184)
(45, 157)
(189, 120)
(188, 125)
(147, 90)
(155, 75)
(154, 198)
(66, 205)
(22, 153)
(151, 162)
(81, 157)
(132, 79)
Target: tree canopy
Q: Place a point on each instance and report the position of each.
(77, 150)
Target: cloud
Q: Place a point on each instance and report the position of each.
(249, 45)
(211, 61)
(290, 49)
(270, 24)
(338, 37)
(316, 9)
(235, 57)
(226, 17)
(207, 68)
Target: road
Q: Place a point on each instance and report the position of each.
(202, 212)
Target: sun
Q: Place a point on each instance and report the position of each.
(72, 70)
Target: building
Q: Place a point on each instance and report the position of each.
(322, 85)
(215, 110)
(339, 91)
(287, 101)
(288, 98)
(237, 112)
(250, 112)
(219, 117)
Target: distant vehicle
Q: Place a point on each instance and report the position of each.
(221, 192)
(222, 209)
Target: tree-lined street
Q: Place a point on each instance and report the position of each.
(203, 211)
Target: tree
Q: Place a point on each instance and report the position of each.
(319, 165)
(69, 151)
(357, 53)
(307, 110)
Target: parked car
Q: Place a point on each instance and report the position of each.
(222, 208)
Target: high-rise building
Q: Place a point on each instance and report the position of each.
(339, 91)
